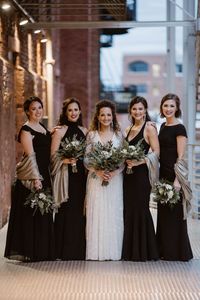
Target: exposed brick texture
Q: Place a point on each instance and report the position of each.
(7, 137)
(21, 69)
(77, 68)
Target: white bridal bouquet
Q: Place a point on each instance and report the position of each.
(40, 199)
(72, 148)
(105, 157)
(164, 192)
(131, 152)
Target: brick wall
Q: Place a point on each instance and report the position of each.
(21, 60)
(7, 137)
(77, 68)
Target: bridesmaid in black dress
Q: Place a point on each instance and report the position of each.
(172, 236)
(139, 235)
(70, 219)
(30, 238)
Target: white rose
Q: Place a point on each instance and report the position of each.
(170, 194)
(42, 196)
(132, 147)
(168, 187)
(161, 191)
(106, 154)
(124, 151)
(75, 143)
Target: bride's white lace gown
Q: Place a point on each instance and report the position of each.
(104, 212)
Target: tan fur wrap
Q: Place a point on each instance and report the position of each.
(27, 170)
(60, 181)
(181, 171)
(152, 162)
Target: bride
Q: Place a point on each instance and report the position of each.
(104, 204)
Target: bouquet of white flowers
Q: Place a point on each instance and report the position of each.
(164, 192)
(40, 199)
(72, 148)
(133, 152)
(105, 157)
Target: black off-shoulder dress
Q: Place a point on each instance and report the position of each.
(31, 238)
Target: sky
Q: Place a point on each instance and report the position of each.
(140, 40)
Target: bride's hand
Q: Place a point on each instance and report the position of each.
(112, 174)
(103, 174)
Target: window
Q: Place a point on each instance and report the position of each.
(137, 89)
(141, 88)
(138, 66)
(179, 68)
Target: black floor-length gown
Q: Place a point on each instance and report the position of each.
(30, 238)
(139, 242)
(172, 236)
(70, 219)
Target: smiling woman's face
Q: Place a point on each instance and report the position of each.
(35, 111)
(73, 112)
(105, 116)
(169, 108)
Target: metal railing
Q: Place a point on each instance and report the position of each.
(193, 157)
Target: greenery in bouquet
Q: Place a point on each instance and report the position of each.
(40, 199)
(164, 193)
(131, 152)
(72, 148)
(105, 157)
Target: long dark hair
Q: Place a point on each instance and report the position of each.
(101, 104)
(174, 97)
(63, 120)
(135, 100)
(28, 102)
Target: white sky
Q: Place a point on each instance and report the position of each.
(140, 40)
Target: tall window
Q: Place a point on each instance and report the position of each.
(140, 88)
(179, 68)
(138, 66)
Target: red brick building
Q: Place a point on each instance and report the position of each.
(147, 74)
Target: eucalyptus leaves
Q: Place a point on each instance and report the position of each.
(40, 199)
(164, 193)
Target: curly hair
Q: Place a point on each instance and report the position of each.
(63, 120)
(176, 99)
(135, 100)
(28, 102)
(101, 104)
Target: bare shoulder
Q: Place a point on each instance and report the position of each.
(25, 135)
(84, 130)
(151, 127)
(60, 131)
(90, 135)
